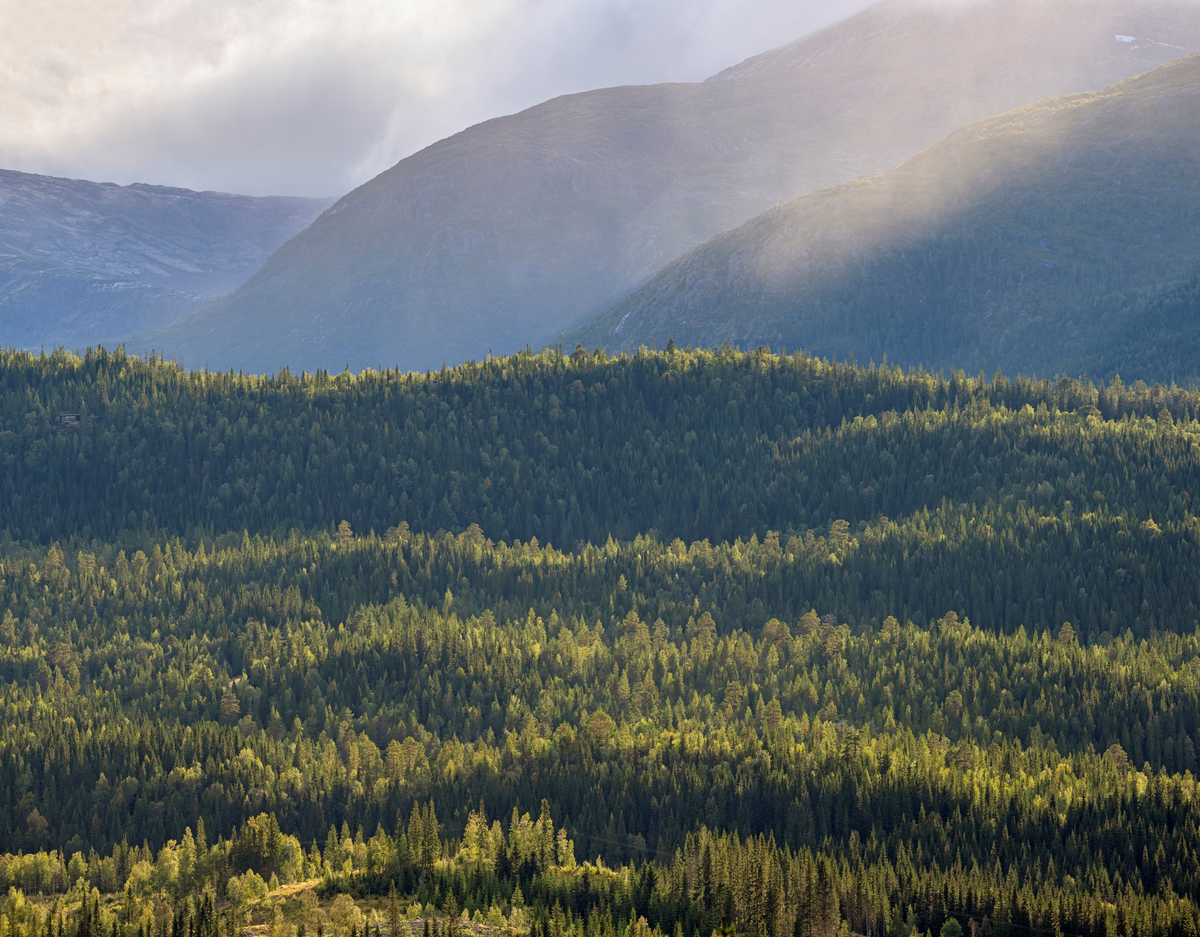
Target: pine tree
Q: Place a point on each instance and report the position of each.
(416, 837)
(825, 901)
(450, 910)
(229, 707)
(393, 912)
(431, 850)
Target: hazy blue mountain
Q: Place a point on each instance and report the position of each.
(1058, 237)
(82, 262)
(47, 304)
(523, 226)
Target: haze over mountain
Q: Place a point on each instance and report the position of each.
(1040, 240)
(85, 262)
(520, 227)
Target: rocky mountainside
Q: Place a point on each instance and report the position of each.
(523, 226)
(83, 262)
(1057, 237)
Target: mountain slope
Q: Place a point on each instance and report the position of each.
(46, 304)
(520, 227)
(1014, 242)
(1151, 334)
(83, 262)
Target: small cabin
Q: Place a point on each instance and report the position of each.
(68, 419)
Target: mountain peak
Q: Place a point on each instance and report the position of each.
(520, 227)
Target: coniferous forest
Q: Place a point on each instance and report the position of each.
(589, 646)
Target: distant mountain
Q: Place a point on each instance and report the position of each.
(45, 305)
(520, 227)
(1038, 241)
(83, 262)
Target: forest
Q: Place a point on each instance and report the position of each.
(670, 643)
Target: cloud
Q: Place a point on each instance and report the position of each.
(314, 97)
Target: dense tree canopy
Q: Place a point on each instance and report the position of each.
(711, 635)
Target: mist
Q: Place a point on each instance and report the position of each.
(276, 97)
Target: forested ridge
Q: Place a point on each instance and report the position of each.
(591, 645)
(697, 445)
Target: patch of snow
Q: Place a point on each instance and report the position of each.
(1151, 41)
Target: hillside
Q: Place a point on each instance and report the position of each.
(86, 262)
(518, 228)
(1046, 240)
(704, 637)
(47, 305)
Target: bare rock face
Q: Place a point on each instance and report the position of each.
(84, 262)
(519, 228)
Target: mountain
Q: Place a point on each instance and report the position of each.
(1152, 334)
(1057, 237)
(83, 262)
(526, 225)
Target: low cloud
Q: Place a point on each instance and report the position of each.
(313, 98)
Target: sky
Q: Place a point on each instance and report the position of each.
(314, 97)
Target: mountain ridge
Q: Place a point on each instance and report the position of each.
(506, 233)
(975, 253)
(84, 262)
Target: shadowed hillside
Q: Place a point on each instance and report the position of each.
(1041, 240)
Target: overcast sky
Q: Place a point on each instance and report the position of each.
(313, 97)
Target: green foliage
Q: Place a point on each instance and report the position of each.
(696, 445)
(930, 646)
(1149, 333)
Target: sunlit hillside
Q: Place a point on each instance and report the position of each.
(1059, 238)
(590, 645)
